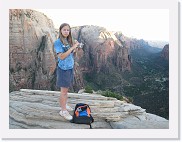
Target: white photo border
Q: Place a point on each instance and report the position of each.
(171, 133)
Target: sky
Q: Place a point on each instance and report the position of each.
(147, 24)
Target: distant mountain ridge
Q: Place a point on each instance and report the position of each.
(157, 43)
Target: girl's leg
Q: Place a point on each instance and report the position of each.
(63, 98)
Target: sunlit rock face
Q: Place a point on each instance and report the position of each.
(31, 56)
(101, 50)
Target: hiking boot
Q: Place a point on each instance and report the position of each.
(66, 115)
(68, 108)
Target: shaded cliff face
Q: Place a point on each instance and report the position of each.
(31, 56)
(165, 52)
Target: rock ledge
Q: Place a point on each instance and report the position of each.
(39, 109)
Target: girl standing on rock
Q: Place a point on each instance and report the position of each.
(64, 47)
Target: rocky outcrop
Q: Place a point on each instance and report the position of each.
(39, 109)
(101, 50)
(165, 52)
(31, 55)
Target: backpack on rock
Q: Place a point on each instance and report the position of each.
(82, 115)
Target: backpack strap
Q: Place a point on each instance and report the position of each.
(90, 126)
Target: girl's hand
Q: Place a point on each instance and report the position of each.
(74, 47)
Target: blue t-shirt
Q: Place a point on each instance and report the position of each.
(68, 62)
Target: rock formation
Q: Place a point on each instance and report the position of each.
(101, 49)
(39, 109)
(31, 55)
(165, 52)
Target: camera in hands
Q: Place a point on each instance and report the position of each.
(80, 45)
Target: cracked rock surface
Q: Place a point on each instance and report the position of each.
(39, 109)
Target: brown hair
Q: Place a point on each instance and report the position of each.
(69, 38)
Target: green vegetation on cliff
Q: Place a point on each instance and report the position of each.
(147, 85)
